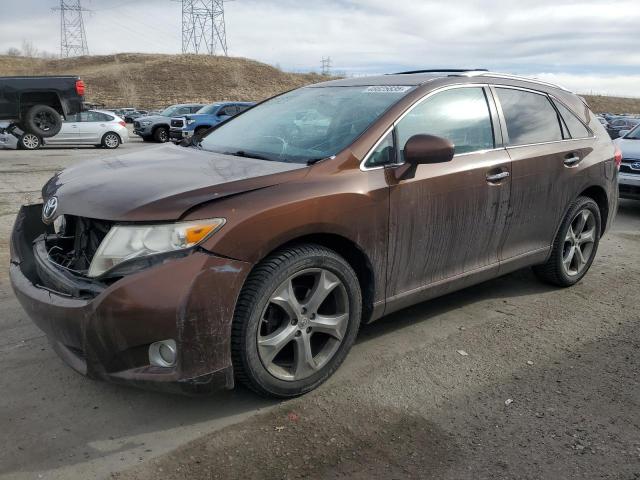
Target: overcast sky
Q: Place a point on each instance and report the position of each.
(589, 46)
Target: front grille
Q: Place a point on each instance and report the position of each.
(74, 246)
(177, 123)
(626, 167)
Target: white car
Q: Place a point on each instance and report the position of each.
(93, 127)
(629, 177)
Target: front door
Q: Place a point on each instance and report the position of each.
(70, 131)
(449, 219)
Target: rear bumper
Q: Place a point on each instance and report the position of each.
(106, 334)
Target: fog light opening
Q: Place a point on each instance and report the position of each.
(163, 353)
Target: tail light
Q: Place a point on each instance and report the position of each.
(123, 123)
(80, 87)
(618, 157)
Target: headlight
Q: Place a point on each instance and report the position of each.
(126, 242)
(145, 124)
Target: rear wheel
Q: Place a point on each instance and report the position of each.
(42, 121)
(110, 140)
(575, 246)
(29, 141)
(295, 321)
(161, 135)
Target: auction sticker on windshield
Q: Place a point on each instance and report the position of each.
(387, 89)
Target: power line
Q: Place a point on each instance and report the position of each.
(73, 37)
(203, 27)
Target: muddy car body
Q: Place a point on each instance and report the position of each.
(381, 223)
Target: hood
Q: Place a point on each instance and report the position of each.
(160, 183)
(630, 148)
(152, 118)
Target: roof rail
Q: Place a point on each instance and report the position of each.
(510, 76)
(442, 70)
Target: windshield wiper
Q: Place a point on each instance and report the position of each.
(242, 153)
(315, 160)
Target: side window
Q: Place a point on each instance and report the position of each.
(460, 115)
(99, 117)
(575, 126)
(530, 117)
(195, 109)
(242, 108)
(384, 154)
(73, 118)
(182, 111)
(83, 117)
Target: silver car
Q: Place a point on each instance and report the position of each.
(93, 127)
(629, 178)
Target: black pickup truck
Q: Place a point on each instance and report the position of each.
(38, 104)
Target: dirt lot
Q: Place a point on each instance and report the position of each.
(406, 403)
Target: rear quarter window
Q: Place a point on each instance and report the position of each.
(575, 126)
(530, 117)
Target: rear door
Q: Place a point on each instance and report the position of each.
(94, 126)
(549, 154)
(448, 220)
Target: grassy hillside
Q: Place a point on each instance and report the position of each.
(155, 81)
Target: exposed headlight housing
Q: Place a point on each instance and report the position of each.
(127, 242)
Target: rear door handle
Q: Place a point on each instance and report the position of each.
(572, 160)
(497, 177)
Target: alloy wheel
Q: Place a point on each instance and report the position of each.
(44, 121)
(30, 141)
(303, 324)
(579, 243)
(111, 141)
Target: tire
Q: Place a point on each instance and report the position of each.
(42, 120)
(110, 140)
(161, 135)
(575, 245)
(263, 310)
(29, 141)
(200, 130)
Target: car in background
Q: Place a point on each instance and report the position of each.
(129, 117)
(156, 127)
(94, 127)
(621, 123)
(205, 118)
(629, 177)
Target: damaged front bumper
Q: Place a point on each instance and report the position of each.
(104, 330)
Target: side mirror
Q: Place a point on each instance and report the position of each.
(421, 149)
(622, 133)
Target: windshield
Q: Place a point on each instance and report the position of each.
(169, 111)
(209, 109)
(304, 125)
(633, 134)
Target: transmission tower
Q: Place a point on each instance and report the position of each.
(326, 66)
(203, 27)
(73, 38)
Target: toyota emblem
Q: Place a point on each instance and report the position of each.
(635, 166)
(49, 209)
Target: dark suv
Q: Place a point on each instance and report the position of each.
(255, 254)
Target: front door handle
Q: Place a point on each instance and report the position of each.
(572, 160)
(497, 177)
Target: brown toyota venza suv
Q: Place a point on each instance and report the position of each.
(256, 253)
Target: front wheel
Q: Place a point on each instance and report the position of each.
(295, 321)
(575, 245)
(161, 135)
(29, 141)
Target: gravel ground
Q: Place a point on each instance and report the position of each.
(548, 387)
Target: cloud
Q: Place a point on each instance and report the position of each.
(581, 42)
